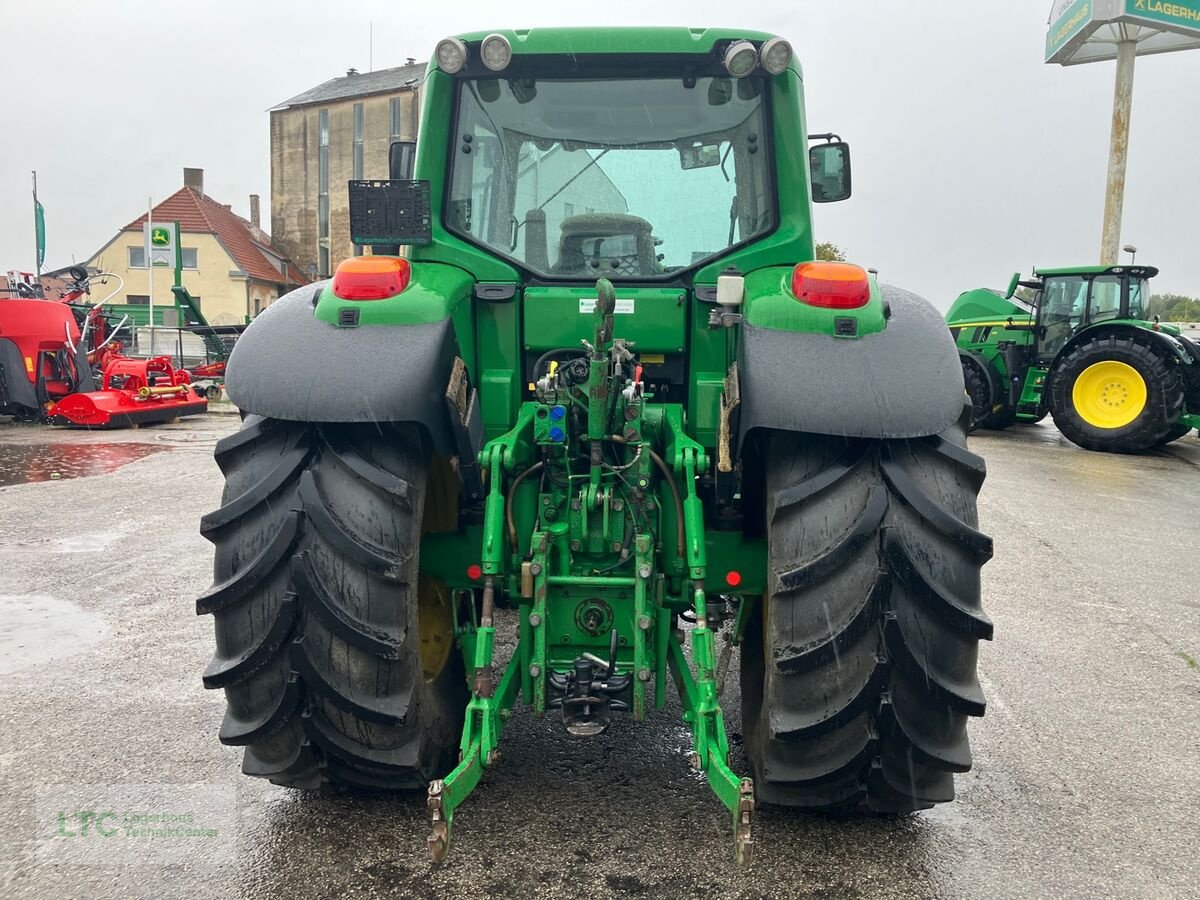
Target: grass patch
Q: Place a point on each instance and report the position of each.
(1189, 659)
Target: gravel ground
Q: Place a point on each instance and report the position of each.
(1085, 779)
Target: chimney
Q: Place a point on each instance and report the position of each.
(411, 61)
(351, 71)
(194, 179)
(254, 212)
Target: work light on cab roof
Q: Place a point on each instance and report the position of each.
(451, 55)
(496, 52)
(775, 55)
(740, 59)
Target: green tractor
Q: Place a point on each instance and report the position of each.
(607, 394)
(1083, 350)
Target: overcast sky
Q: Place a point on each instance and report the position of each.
(972, 158)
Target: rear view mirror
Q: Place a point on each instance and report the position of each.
(699, 157)
(1013, 284)
(402, 156)
(829, 165)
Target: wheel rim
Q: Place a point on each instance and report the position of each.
(1109, 394)
(435, 626)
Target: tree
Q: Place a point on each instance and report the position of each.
(1174, 308)
(828, 251)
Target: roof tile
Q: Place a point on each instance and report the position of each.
(359, 84)
(199, 213)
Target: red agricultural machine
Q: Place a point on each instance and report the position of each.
(132, 392)
(53, 353)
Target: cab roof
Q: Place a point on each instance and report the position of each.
(1137, 271)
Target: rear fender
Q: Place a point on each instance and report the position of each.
(18, 389)
(903, 381)
(1171, 345)
(291, 365)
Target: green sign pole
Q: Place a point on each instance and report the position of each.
(39, 231)
(175, 294)
(178, 258)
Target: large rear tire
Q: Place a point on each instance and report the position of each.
(335, 656)
(858, 669)
(1115, 394)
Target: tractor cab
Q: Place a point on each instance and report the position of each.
(1083, 350)
(1069, 300)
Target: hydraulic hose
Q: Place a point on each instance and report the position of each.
(669, 478)
(508, 501)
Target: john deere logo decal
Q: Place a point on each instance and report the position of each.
(160, 237)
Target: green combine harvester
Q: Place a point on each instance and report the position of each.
(1082, 350)
(608, 396)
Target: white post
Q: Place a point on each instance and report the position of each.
(1118, 154)
(150, 268)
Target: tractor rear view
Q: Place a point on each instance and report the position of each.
(614, 401)
(1083, 350)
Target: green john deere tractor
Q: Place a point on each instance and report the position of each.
(608, 395)
(1084, 351)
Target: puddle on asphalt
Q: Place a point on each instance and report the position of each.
(36, 629)
(26, 464)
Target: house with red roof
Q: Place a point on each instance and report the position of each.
(229, 263)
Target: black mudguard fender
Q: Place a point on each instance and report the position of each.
(290, 365)
(18, 389)
(903, 382)
(1168, 344)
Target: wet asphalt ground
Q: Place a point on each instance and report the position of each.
(1087, 765)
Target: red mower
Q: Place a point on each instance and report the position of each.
(132, 392)
(52, 353)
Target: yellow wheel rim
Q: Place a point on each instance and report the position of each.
(435, 626)
(1109, 394)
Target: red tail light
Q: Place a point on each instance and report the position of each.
(832, 285)
(371, 277)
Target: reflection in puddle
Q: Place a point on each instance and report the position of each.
(22, 464)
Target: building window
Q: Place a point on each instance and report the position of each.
(137, 257)
(323, 195)
(359, 130)
(137, 299)
(395, 118)
(359, 133)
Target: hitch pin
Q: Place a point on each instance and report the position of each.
(607, 666)
(603, 664)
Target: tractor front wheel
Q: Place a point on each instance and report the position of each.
(859, 666)
(1115, 394)
(335, 656)
(984, 412)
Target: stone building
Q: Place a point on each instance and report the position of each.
(230, 265)
(336, 132)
